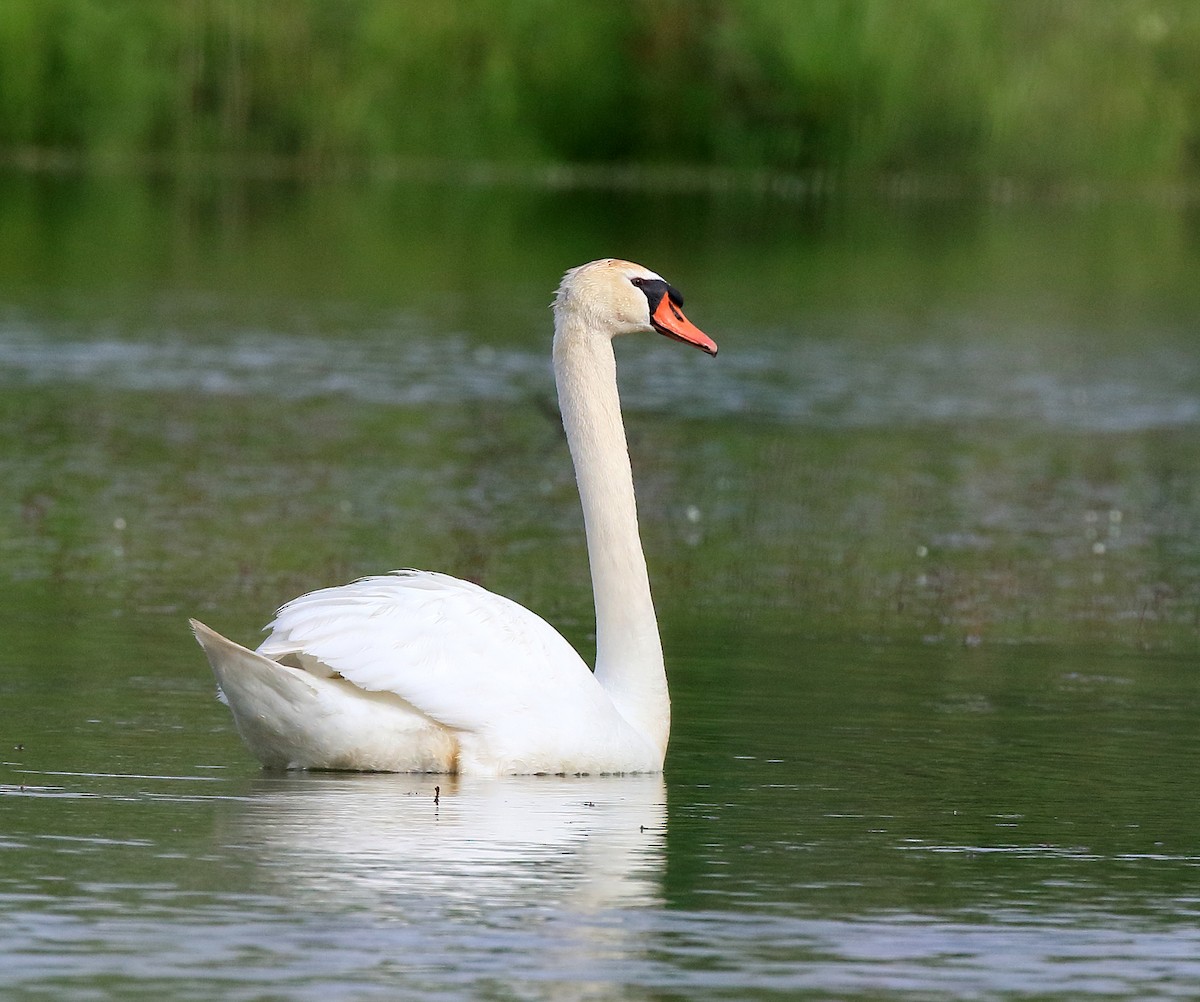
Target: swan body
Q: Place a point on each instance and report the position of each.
(417, 671)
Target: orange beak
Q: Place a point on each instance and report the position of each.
(668, 319)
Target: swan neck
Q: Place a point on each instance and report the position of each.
(629, 659)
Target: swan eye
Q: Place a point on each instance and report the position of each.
(654, 289)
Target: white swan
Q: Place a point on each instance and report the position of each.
(421, 672)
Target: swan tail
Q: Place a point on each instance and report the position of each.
(236, 669)
(291, 719)
(266, 698)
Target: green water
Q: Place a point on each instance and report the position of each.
(924, 540)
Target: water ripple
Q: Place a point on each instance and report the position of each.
(843, 382)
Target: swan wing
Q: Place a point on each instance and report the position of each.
(470, 660)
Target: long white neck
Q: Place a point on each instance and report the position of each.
(629, 659)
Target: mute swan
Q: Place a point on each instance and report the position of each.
(420, 672)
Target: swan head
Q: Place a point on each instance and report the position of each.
(614, 297)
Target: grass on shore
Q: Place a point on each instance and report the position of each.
(1042, 90)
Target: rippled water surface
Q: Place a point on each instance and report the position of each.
(925, 542)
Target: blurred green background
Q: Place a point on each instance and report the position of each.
(962, 92)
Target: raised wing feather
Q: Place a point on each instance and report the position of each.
(467, 658)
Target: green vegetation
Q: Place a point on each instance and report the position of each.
(1036, 90)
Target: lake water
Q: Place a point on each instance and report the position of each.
(924, 537)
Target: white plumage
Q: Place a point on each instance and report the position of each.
(421, 672)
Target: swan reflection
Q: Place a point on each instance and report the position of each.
(584, 844)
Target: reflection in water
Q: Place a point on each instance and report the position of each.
(362, 887)
(383, 843)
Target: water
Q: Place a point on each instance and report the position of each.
(923, 539)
